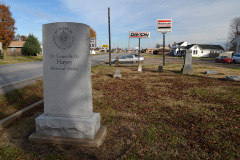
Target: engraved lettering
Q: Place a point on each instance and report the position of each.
(60, 61)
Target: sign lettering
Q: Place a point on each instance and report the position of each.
(139, 34)
(164, 25)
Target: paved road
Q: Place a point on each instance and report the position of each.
(22, 72)
(19, 75)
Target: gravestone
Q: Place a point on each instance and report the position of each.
(68, 111)
(233, 78)
(187, 67)
(160, 68)
(117, 74)
(210, 72)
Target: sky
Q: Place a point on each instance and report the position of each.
(194, 21)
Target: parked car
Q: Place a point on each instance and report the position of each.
(236, 58)
(131, 58)
(223, 59)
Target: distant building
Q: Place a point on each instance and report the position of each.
(178, 49)
(236, 42)
(204, 50)
(149, 50)
(15, 48)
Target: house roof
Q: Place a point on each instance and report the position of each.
(180, 43)
(189, 46)
(205, 46)
(16, 44)
(210, 46)
(235, 39)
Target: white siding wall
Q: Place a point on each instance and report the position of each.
(197, 52)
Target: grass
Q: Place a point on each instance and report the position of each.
(20, 98)
(149, 115)
(20, 59)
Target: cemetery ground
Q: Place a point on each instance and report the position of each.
(149, 115)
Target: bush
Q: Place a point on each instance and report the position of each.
(32, 46)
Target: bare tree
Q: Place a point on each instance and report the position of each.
(234, 28)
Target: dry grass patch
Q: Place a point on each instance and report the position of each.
(148, 115)
(20, 98)
(20, 59)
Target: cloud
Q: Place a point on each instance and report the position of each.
(196, 21)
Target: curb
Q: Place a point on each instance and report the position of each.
(8, 120)
(19, 84)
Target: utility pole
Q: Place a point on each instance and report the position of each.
(109, 33)
(227, 47)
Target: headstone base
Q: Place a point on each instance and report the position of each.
(187, 69)
(83, 142)
(68, 127)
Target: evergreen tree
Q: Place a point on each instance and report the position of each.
(32, 46)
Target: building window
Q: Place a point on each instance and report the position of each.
(195, 52)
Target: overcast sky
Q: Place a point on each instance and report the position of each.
(194, 21)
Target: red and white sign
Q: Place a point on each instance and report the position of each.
(164, 25)
(139, 34)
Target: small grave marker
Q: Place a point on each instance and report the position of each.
(117, 74)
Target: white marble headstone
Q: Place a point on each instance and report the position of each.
(187, 67)
(66, 70)
(68, 109)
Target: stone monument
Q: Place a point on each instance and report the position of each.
(210, 72)
(68, 111)
(160, 68)
(233, 78)
(117, 74)
(187, 67)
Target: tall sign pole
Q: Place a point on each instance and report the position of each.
(164, 26)
(163, 48)
(109, 33)
(139, 51)
(139, 35)
(129, 44)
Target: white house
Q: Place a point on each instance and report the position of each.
(204, 50)
(236, 42)
(178, 48)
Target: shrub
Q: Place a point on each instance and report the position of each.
(32, 46)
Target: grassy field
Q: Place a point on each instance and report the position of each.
(19, 59)
(149, 115)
